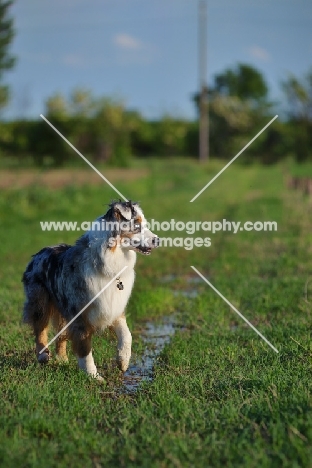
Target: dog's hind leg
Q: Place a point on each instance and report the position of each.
(41, 341)
(124, 342)
(37, 313)
(61, 341)
(81, 337)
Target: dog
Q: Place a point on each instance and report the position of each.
(61, 280)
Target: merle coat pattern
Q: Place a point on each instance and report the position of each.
(60, 280)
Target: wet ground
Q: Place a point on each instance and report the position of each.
(190, 292)
(155, 336)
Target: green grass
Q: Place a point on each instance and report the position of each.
(221, 396)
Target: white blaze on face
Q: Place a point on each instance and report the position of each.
(145, 237)
(148, 237)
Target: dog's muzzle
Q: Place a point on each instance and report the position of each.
(153, 243)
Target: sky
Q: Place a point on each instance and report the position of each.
(146, 51)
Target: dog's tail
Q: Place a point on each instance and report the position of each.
(37, 313)
(37, 302)
(37, 307)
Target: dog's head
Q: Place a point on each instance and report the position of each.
(130, 230)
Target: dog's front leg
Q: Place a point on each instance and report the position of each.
(124, 342)
(86, 364)
(81, 341)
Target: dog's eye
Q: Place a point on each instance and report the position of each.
(137, 226)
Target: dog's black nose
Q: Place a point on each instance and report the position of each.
(155, 241)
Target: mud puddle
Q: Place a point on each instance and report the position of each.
(190, 292)
(155, 336)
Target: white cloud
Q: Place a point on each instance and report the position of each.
(131, 51)
(125, 41)
(259, 53)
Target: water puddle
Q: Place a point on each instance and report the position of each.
(188, 279)
(168, 278)
(190, 294)
(155, 336)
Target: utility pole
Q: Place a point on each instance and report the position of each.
(203, 90)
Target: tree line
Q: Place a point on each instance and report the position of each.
(105, 130)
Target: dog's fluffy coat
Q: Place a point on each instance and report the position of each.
(60, 280)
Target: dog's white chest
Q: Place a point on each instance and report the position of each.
(112, 302)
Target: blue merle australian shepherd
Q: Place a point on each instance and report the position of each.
(61, 280)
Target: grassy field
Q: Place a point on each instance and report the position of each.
(221, 396)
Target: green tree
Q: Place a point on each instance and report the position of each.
(99, 127)
(56, 106)
(111, 131)
(6, 36)
(244, 81)
(238, 103)
(299, 98)
(171, 133)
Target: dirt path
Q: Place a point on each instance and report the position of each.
(56, 178)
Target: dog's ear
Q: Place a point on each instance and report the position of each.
(124, 210)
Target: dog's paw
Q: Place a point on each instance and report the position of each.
(44, 357)
(96, 376)
(61, 359)
(123, 360)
